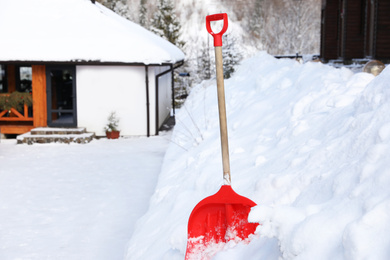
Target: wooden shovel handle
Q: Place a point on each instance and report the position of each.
(221, 91)
(222, 116)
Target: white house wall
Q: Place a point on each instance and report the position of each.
(102, 89)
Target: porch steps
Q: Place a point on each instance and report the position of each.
(44, 135)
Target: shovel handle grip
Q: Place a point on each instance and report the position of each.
(217, 36)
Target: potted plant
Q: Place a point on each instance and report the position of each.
(111, 128)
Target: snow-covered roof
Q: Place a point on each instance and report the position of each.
(76, 30)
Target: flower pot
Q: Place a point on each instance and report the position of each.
(112, 134)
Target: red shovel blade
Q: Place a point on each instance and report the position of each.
(216, 220)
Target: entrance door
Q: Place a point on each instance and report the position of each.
(61, 96)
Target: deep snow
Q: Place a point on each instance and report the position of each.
(309, 143)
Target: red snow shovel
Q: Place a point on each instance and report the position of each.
(223, 216)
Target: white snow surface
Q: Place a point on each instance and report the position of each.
(65, 202)
(309, 143)
(77, 30)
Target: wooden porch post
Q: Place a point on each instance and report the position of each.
(39, 95)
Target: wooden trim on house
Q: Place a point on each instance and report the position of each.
(16, 116)
(17, 123)
(39, 95)
(15, 129)
(20, 123)
(382, 30)
(353, 47)
(355, 29)
(11, 72)
(330, 30)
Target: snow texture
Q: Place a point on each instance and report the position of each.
(308, 143)
(64, 202)
(77, 30)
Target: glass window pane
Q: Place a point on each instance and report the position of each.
(25, 77)
(62, 117)
(61, 89)
(3, 80)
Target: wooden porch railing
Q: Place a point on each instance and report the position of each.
(14, 122)
(15, 115)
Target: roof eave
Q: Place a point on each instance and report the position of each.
(89, 62)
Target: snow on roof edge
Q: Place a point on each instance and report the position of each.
(77, 30)
(89, 62)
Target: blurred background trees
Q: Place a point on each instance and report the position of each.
(279, 27)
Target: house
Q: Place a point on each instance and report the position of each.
(80, 61)
(355, 29)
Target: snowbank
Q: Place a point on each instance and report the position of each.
(310, 144)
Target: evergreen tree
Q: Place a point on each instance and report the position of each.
(204, 63)
(166, 24)
(142, 13)
(118, 6)
(107, 3)
(231, 56)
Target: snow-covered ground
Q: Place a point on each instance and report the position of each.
(70, 202)
(309, 143)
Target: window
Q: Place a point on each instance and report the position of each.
(23, 83)
(15, 78)
(3, 79)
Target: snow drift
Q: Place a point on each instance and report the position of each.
(310, 144)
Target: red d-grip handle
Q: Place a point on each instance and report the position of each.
(217, 36)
